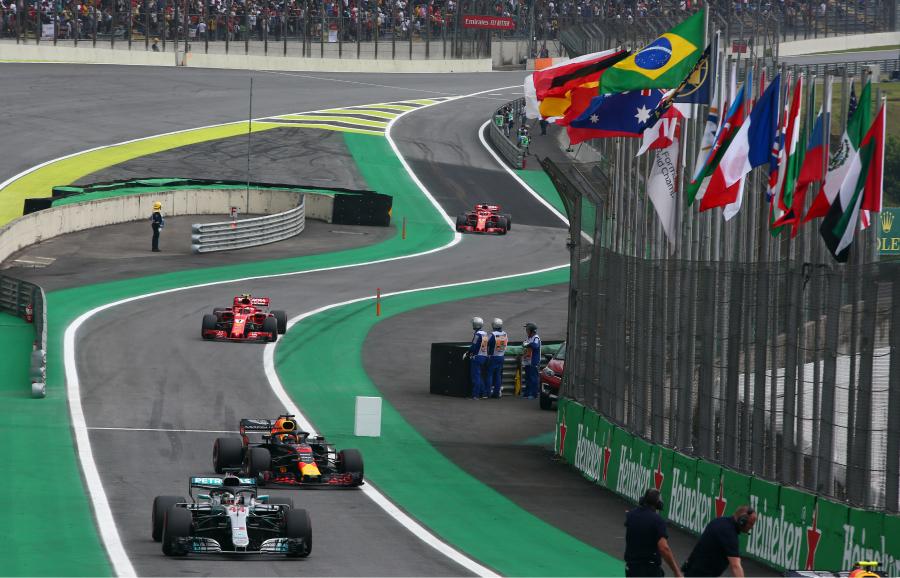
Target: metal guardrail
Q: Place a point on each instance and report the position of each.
(511, 153)
(228, 235)
(27, 300)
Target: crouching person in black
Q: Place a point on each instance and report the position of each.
(718, 545)
(647, 539)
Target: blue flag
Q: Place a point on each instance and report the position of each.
(621, 114)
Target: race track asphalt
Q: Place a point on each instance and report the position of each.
(143, 364)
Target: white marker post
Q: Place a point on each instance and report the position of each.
(368, 416)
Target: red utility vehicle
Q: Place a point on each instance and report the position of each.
(551, 378)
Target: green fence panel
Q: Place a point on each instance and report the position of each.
(662, 475)
(619, 453)
(636, 470)
(831, 520)
(890, 563)
(570, 418)
(734, 490)
(588, 448)
(709, 480)
(777, 539)
(604, 437)
(864, 538)
(688, 506)
(798, 509)
(762, 543)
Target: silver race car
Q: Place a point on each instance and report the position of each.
(228, 516)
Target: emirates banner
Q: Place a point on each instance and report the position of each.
(489, 22)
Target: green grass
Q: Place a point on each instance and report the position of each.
(867, 49)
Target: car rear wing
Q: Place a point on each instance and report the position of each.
(213, 483)
(264, 301)
(256, 425)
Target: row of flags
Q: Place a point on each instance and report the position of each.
(648, 94)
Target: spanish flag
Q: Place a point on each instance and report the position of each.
(664, 63)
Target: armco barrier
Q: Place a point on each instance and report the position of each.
(795, 530)
(228, 235)
(512, 154)
(28, 301)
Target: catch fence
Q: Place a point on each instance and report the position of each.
(785, 368)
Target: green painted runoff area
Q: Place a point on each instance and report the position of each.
(542, 185)
(50, 525)
(404, 465)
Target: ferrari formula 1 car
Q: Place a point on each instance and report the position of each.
(248, 319)
(484, 219)
(287, 456)
(227, 516)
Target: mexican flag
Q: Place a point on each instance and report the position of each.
(839, 164)
(860, 191)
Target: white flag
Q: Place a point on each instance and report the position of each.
(662, 188)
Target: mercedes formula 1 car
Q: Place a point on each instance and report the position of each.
(484, 219)
(228, 516)
(287, 456)
(248, 319)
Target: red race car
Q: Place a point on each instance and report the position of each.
(248, 319)
(484, 219)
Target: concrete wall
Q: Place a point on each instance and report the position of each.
(88, 55)
(508, 53)
(49, 223)
(838, 43)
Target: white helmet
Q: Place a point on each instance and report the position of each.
(477, 323)
(497, 323)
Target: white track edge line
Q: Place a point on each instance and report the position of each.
(518, 179)
(404, 519)
(163, 430)
(104, 519)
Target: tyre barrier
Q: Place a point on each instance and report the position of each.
(228, 235)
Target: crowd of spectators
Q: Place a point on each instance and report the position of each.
(366, 19)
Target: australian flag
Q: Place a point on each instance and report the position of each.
(620, 114)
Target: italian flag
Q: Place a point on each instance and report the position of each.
(861, 190)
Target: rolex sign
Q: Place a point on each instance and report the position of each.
(888, 223)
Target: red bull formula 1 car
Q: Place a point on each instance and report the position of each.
(484, 219)
(287, 456)
(248, 319)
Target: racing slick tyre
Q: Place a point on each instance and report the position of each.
(508, 221)
(259, 460)
(282, 501)
(351, 462)
(545, 401)
(281, 318)
(227, 453)
(210, 323)
(298, 525)
(177, 524)
(270, 325)
(503, 225)
(461, 222)
(161, 505)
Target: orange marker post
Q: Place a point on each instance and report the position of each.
(378, 302)
(403, 234)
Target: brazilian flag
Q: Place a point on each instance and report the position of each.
(664, 63)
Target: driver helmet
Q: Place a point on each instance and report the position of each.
(497, 324)
(283, 425)
(226, 498)
(477, 323)
(245, 298)
(287, 438)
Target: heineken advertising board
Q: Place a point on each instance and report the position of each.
(888, 224)
(795, 530)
